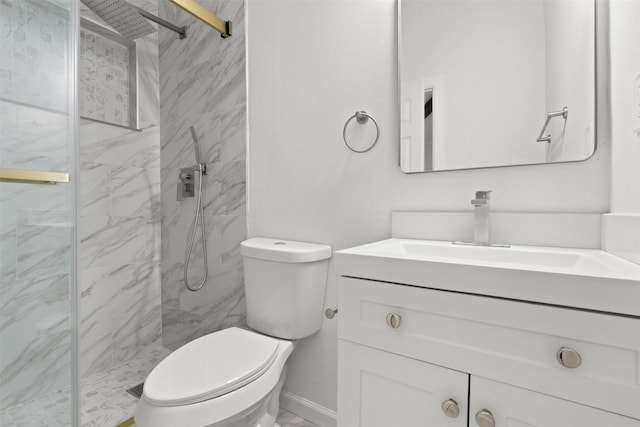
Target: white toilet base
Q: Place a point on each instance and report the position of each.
(263, 414)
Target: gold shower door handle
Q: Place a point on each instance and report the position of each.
(26, 176)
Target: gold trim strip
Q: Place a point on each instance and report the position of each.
(126, 423)
(25, 176)
(190, 6)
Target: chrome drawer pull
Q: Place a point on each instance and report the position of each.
(393, 320)
(484, 418)
(450, 408)
(568, 357)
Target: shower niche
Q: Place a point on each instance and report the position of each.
(107, 65)
(107, 76)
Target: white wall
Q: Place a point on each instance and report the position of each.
(622, 226)
(312, 64)
(570, 78)
(625, 109)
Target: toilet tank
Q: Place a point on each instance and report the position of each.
(284, 284)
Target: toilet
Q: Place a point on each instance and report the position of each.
(233, 377)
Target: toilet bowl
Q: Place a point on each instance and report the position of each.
(233, 377)
(205, 384)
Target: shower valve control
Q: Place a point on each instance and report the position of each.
(186, 184)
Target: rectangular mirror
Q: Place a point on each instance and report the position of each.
(504, 82)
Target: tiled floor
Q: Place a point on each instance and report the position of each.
(104, 401)
(287, 419)
(52, 410)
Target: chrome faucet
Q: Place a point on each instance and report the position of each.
(481, 218)
(481, 232)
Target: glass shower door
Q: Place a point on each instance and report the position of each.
(37, 212)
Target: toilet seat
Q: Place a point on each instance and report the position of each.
(205, 368)
(212, 411)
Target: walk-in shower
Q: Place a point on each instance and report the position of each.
(92, 240)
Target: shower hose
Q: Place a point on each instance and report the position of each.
(192, 239)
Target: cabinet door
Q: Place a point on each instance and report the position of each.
(381, 389)
(515, 407)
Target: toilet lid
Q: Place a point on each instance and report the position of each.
(210, 366)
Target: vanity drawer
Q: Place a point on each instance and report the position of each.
(513, 342)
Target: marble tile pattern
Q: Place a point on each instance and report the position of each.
(105, 402)
(103, 89)
(119, 226)
(203, 84)
(49, 410)
(36, 221)
(33, 59)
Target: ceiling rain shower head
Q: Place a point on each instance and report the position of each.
(122, 16)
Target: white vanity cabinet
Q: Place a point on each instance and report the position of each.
(382, 389)
(406, 353)
(516, 407)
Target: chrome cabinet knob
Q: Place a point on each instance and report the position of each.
(450, 408)
(484, 418)
(393, 320)
(568, 357)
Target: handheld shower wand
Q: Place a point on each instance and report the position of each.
(200, 167)
(196, 147)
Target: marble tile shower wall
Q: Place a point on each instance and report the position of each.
(35, 260)
(119, 254)
(35, 220)
(203, 84)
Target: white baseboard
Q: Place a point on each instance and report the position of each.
(308, 410)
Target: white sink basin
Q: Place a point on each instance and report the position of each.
(584, 278)
(589, 262)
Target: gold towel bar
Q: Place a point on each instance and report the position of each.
(25, 176)
(224, 27)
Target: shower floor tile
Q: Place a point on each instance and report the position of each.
(52, 410)
(104, 400)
